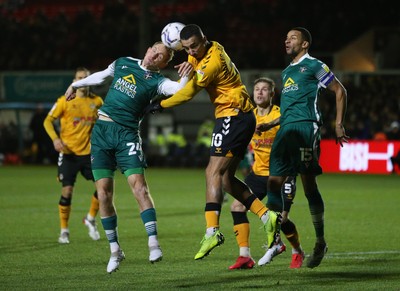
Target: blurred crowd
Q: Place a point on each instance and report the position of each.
(373, 111)
(58, 35)
(62, 35)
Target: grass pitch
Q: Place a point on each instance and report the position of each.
(362, 231)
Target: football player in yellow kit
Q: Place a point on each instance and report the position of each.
(261, 143)
(234, 127)
(77, 119)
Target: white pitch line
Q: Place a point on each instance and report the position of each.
(361, 253)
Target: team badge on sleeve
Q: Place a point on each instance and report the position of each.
(199, 75)
(326, 68)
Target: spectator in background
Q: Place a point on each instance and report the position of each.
(203, 143)
(178, 148)
(395, 162)
(394, 134)
(9, 143)
(380, 134)
(204, 134)
(158, 149)
(42, 148)
(8, 138)
(394, 131)
(177, 143)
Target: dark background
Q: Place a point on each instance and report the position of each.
(61, 35)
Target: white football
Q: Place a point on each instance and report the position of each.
(170, 35)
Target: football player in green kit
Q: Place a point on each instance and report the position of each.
(116, 141)
(296, 148)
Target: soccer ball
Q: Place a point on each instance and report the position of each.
(170, 35)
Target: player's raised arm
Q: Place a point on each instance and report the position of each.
(97, 78)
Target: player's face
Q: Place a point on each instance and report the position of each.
(262, 94)
(156, 57)
(79, 75)
(294, 43)
(195, 46)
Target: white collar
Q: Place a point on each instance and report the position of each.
(302, 58)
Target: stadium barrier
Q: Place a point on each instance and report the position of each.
(359, 156)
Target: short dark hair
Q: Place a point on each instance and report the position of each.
(191, 30)
(305, 34)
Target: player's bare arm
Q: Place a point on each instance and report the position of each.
(341, 107)
(261, 127)
(97, 78)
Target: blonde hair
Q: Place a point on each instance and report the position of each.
(170, 51)
(266, 80)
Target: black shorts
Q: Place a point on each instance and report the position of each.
(70, 165)
(232, 135)
(257, 184)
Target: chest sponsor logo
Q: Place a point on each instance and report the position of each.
(126, 85)
(290, 85)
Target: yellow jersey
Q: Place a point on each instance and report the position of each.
(218, 75)
(261, 144)
(77, 118)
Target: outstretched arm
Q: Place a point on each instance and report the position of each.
(97, 78)
(169, 87)
(267, 126)
(182, 96)
(181, 91)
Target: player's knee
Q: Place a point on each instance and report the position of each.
(237, 206)
(285, 215)
(274, 184)
(141, 192)
(104, 196)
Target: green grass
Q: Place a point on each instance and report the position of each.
(362, 230)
